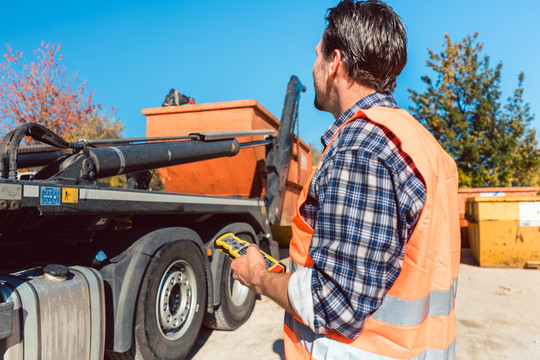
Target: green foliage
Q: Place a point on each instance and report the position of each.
(121, 181)
(155, 183)
(493, 145)
(316, 152)
(97, 126)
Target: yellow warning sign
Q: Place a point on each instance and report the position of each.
(70, 195)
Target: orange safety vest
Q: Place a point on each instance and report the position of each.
(416, 319)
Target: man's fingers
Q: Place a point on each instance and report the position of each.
(252, 249)
(235, 265)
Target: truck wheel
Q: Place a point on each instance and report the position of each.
(237, 301)
(171, 303)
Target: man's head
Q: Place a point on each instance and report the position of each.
(371, 39)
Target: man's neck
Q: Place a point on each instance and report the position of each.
(348, 96)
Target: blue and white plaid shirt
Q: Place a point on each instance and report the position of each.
(363, 203)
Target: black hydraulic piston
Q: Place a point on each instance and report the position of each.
(117, 160)
(82, 161)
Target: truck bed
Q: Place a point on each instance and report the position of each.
(37, 216)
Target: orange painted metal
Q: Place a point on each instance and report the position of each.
(242, 175)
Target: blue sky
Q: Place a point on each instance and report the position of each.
(133, 52)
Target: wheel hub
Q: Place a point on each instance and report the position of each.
(175, 299)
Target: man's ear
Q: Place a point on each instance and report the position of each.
(335, 63)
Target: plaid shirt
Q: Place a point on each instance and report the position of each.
(363, 203)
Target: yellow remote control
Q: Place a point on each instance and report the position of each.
(234, 247)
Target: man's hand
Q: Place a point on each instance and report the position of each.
(250, 269)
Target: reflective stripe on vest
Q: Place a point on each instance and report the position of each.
(400, 312)
(322, 347)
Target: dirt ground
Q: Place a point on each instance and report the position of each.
(497, 317)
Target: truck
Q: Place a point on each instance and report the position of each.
(89, 271)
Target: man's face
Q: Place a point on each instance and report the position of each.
(320, 72)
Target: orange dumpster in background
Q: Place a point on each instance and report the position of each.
(467, 193)
(241, 175)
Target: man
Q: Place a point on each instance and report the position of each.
(375, 248)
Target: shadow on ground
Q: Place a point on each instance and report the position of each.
(204, 334)
(279, 348)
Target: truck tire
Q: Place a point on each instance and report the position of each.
(237, 301)
(171, 303)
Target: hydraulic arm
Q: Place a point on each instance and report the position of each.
(80, 161)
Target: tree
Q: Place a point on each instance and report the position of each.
(316, 152)
(42, 92)
(493, 145)
(97, 127)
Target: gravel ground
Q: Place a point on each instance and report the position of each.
(497, 317)
(497, 312)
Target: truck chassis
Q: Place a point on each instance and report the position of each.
(88, 271)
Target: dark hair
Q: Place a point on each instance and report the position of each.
(372, 40)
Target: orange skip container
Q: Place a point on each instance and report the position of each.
(241, 175)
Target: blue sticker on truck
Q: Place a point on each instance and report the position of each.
(50, 196)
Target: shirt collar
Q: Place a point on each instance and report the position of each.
(370, 101)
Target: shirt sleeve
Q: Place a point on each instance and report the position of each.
(299, 292)
(356, 247)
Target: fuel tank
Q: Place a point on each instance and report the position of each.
(55, 312)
